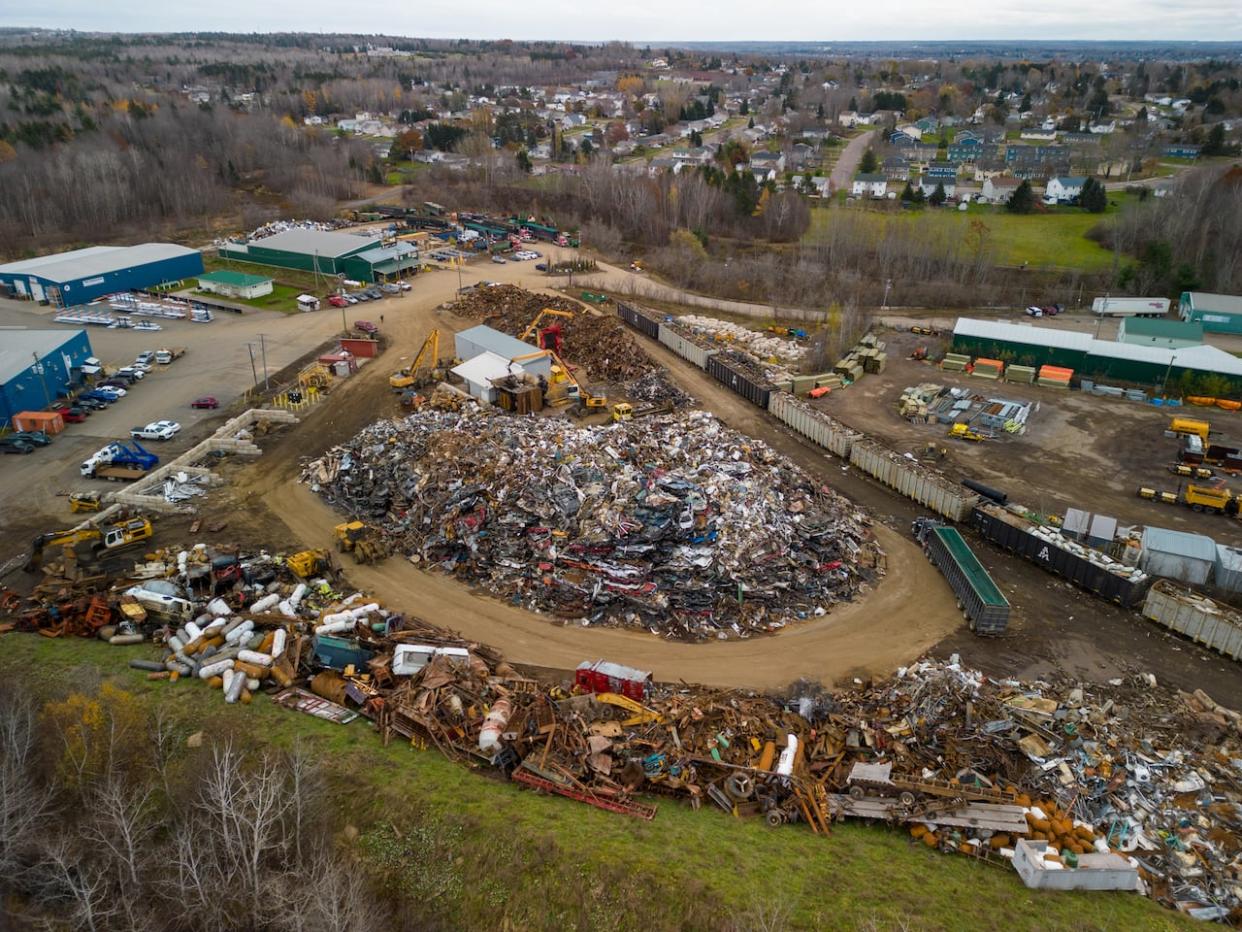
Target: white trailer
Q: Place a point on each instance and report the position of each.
(1130, 307)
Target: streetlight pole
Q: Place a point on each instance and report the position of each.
(263, 349)
(253, 371)
(888, 283)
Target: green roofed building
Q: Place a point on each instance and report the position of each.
(1221, 313)
(353, 256)
(1168, 334)
(235, 284)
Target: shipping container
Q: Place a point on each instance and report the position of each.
(1130, 307)
(641, 322)
(912, 480)
(682, 346)
(1197, 617)
(738, 382)
(50, 422)
(1084, 567)
(980, 599)
(817, 427)
(1227, 573)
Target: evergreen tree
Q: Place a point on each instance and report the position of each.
(750, 124)
(937, 196)
(1026, 103)
(854, 104)
(869, 162)
(908, 194)
(1022, 201)
(819, 111)
(1215, 144)
(919, 197)
(745, 108)
(523, 161)
(1093, 198)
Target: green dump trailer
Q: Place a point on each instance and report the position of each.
(978, 596)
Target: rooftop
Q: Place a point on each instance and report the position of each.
(321, 242)
(499, 343)
(1022, 333)
(487, 366)
(18, 348)
(1155, 327)
(95, 260)
(236, 279)
(1194, 546)
(1199, 300)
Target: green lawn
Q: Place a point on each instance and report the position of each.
(519, 860)
(287, 284)
(1056, 239)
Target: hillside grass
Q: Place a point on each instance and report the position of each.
(1053, 239)
(516, 859)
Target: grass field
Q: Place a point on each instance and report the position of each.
(287, 284)
(1056, 239)
(513, 859)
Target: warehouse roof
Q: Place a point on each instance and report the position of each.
(18, 348)
(1157, 327)
(499, 343)
(236, 279)
(326, 243)
(1208, 358)
(95, 260)
(487, 366)
(1022, 333)
(1214, 303)
(1179, 543)
(380, 254)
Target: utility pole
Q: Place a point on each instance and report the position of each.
(263, 349)
(253, 371)
(888, 283)
(38, 367)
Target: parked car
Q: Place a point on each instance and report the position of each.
(337, 300)
(104, 395)
(365, 326)
(350, 299)
(151, 432)
(91, 404)
(499, 260)
(141, 367)
(129, 372)
(73, 415)
(1034, 311)
(36, 437)
(207, 402)
(390, 288)
(171, 425)
(10, 445)
(113, 383)
(145, 358)
(113, 390)
(541, 266)
(361, 296)
(405, 286)
(374, 294)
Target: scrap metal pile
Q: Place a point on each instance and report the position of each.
(676, 524)
(601, 343)
(764, 347)
(968, 764)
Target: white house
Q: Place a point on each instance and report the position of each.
(929, 186)
(998, 190)
(872, 185)
(914, 132)
(768, 161)
(1062, 190)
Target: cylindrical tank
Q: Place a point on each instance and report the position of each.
(233, 690)
(253, 656)
(278, 642)
(493, 725)
(219, 607)
(209, 670)
(784, 766)
(268, 601)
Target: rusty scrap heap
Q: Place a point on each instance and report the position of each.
(1127, 785)
(676, 524)
(601, 343)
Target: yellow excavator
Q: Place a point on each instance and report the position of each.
(101, 541)
(362, 540)
(428, 357)
(552, 334)
(639, 714)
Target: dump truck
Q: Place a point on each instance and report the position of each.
(167, 354)
(100, 540)
(978, 596)
(121, 462)
(1217, 500)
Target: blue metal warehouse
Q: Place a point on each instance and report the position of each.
(39, 366)
(66, 279)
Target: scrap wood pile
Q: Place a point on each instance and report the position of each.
(599, 343)
(1146, 777)
(676, 523)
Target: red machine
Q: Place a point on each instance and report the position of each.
(550, 338)
(600, 676)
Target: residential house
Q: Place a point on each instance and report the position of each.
(944, 170)
(909, 129)
(927, 124)
(1063, 189)
(896, 168)
(989, 168)
(901, 138)
(800, 154)
(1104, 129)
(774, 161)
(869, 185)
(822, 185)
(1039, 135)
(999, 189)
(1080, 139)
(928, 184)
(571, 120)
(848, 118)
(699, 155)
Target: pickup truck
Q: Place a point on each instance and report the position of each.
(153, 432)
(167, 354)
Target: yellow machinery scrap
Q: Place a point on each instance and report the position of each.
(307, 563)
(1197, 498)
(84, 501)
(362, 540)
(966, 432)
(639, 714)
(102, 541)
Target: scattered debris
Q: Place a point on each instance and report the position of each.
(675, 523)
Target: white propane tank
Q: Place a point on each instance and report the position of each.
(208, 670)
(493, 725)
(784, 766)
(265, 603)
(278, 642)
(219, 607)
(253, 656)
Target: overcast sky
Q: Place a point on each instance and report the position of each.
(655, 20)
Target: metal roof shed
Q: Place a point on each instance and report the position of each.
(1178, 555)
(483, 339)
(1221, 313)
(1229, 568)
(1020, 343)
(479, 371)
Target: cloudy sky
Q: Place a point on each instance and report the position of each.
(655, 20)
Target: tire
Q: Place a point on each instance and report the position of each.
(906, 798)
(774, 818)
(1198, 508)
(857, 792)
